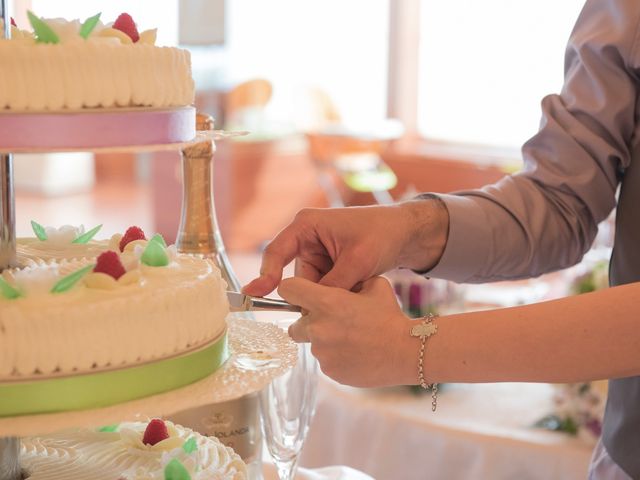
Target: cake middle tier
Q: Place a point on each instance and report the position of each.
(153, 312)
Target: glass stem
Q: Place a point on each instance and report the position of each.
(286, 468)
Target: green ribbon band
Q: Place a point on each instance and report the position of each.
(96, 390)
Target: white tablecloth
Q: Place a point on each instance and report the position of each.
(478, 432)
(269, 472)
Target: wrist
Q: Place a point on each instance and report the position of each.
(406, 369)
(427, 220)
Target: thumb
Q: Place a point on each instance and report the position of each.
(306, 294)
(376, 287)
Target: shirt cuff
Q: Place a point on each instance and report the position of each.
(469, 242)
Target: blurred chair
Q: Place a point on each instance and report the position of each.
(350, 155)
(245, 103)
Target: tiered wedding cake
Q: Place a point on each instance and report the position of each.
(89, 323)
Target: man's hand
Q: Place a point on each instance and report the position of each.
(345, 246)
(360, 339)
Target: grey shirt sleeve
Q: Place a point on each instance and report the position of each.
(545, 217)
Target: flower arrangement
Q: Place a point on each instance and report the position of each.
(578, 410)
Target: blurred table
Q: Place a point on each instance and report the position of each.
(480, 431)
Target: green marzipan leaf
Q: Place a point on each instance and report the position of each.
(154, 255)
(109, 428)
(176, 471)
(7, 290)
(160, 239)
(190, 445)
(85, 237)
(66, 283)
(44, 33)
(39, 230)
(88, 25)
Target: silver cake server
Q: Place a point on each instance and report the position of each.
(240, 302)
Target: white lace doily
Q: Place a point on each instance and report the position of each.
(259, 352)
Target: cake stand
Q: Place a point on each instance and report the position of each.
(260, 351)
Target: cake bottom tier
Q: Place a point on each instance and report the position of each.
(119, 452)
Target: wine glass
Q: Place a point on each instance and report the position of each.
(287, 405)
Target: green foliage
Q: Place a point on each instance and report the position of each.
(176, 471)
(39, 230)
(43, 32)
(7, 291)
(66, 283)
(86, 237)
(88, 26)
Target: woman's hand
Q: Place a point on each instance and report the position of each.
(342, 247)
(360, 339)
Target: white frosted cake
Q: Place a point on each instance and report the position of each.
(83, 332)
(130, 451)
(72, 65)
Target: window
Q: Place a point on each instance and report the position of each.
(335, 45)
(485, 66)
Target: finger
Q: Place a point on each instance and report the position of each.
(298, 330)
(308, 270)
(259, 287)
(307, 294)
(277, 255)
(344, 274)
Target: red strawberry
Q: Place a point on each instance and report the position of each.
(132, 233)
(155, 432)
(109, 262)
(125, 24)
(13, 22)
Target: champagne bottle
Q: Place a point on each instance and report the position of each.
(235, 423)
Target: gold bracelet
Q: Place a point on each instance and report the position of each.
(424, 330)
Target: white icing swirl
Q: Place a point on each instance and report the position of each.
(92, 455)
(32, 251)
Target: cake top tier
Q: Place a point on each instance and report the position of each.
(62, 66)
(122, 31)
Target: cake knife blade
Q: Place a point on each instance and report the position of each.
(239, 302)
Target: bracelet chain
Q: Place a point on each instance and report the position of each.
(424, 330)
